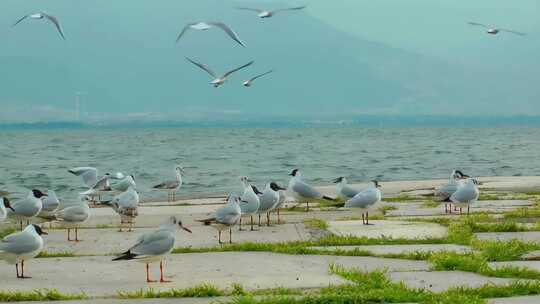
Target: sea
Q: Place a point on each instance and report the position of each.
(215, 157)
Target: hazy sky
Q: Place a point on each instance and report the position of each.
(338, 58)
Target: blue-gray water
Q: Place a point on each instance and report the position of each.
(215, 157)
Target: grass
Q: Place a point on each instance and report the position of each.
(200, 291)
(316, 223)
(39, 295)
(7, 231)
(503, 251)
(65, 254)
(384, 209)
(376, 287)
(403, 198)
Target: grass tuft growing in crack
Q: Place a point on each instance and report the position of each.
(39, 295)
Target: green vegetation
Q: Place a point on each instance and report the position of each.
(200, 291)
(503, 251)
(384, 209)
(316, 223)
(38, 295)
(7, 231)
(403, 199)
(65, 254)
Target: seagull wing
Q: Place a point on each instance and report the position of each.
(513, 32)
(261, 75)
(229, 32)
(237, 69)
(250, 9)
(20, 20)
(88, 174)
(204, 67)
(184, 30)
(477, 24)
(155, 243)
(289, 9)
(56, 23)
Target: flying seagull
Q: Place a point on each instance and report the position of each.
(494, 31)
(248, 83)
(218, 81)
(263, 13)
(203, 26)
(42, 15)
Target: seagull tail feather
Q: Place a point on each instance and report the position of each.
(208, 221)
(328, 198)
(125, 256)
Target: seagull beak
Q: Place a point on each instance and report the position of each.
(186, 229)
(281, 188)
(11, 208)
(43, 232)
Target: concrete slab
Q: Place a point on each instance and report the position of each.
(145, 301)
(516, 300)
(401, 249)
(99, 276)
(528, 236)
(533, 255)
(388, 229)
(418, 208)
(535, 265)
(439, 281)
(110, 241)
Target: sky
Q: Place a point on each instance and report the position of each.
(335, 59)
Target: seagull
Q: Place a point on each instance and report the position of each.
(218, 81)
(73, 216)
(344, 190)
(466, 194)
(28, 207)
(268, 200)
(444, 193)
(267, 13)
(495, 31)
(249, 201)
(203, 26)
(365, 199)
(124, 183)
(282, 199)
(102, 185)
(153, 246)
(248, 83)
(301, 190)
(19, 247)
(172, 186)
(42, 15)
(50, 205)
(225, 217)
(126, 204)
(4, 205)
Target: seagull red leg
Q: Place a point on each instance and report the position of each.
(148, 274)
(162, 278)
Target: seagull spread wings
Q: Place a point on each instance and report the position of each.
(204, 67)
(237, 69)
(261, 75)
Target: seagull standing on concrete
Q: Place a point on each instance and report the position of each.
(268, 200)
(154, 246)
(444, 193)
(73, 216)
(364, 200)
(4, 205)
(203, 26)
(126, 205)
(226, 217)
(51, 203)
(218, 81)
(172, 186)
(124, 183)
(263, 13)
(344, 190)
(22, 246)
(302, 191)
(249, 201)
(27, 208)
(466, 194)
(42, 15)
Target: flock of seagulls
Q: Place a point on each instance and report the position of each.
(39, 207)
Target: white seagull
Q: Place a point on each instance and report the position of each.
(466, 194)
(22, 246)
(203, 26)
(126, 205)
(494, 31)
(300, 190)
(249, 82)
(42, 15)
(50, 203)
(268, 200)
(218, 81)
(264, 13)
(444, 193)
(364, 200)
(172, 186)
(249, 201)
(153, 246)
(344, 190)
(73, 216)
(225, 217)
(4, 205)
(124, 183)
(27, 208)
